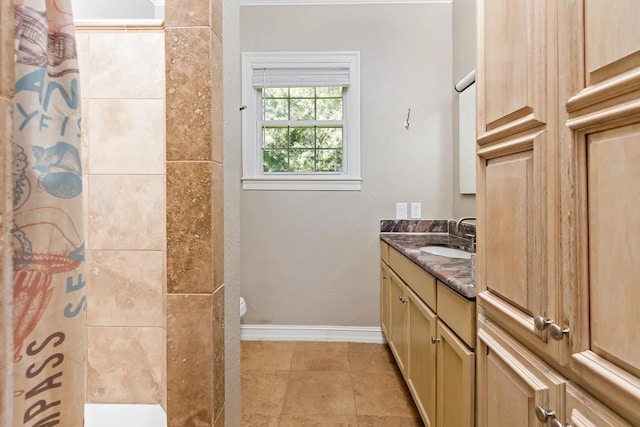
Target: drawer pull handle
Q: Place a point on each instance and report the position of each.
(543, 415)
(541, 323)
(557, 332)
(435, 340)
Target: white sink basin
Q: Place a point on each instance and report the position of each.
(444, 251)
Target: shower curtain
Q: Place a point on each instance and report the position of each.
(48, 238)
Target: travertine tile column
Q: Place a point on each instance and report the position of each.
(6, 108)
(123, 91)
(195, 291)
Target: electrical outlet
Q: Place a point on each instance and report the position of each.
(416, 210)
(401, 211)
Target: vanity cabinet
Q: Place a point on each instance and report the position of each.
(436, 358)
(558, 230)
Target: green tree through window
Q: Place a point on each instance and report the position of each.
(302, 129)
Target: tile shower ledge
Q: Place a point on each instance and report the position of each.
(454, 272)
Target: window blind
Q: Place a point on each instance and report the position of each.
(300, 77)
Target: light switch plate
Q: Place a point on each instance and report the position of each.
(401, 211)
(416, 210)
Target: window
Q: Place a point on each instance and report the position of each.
(301, 127)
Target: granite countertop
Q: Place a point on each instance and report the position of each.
(454, 272)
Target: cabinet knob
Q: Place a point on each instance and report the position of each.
(435, 340)
(403, 299)
(541, 323)
(557, 332)
(543, 415)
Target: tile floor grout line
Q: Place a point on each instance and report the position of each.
(368, 364)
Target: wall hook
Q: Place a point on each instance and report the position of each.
(406, 122)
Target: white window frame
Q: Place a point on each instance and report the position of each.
(253, 177)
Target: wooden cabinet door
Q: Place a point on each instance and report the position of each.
(456, 380)
(583, 410)
(599, 50)
(516, 231)
(421, 376)
(398, 320)
(385, 299)
(512, 382)
(512, 72)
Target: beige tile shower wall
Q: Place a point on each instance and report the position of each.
(123, 100)
(6, 108)
(195, 276)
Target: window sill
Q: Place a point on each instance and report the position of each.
(299, 183)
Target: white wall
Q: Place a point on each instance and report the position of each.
(464, 60)
(311, 258)
(232, 159)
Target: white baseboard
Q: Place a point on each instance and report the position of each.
(332, 2)
(124, 415)
(311, 333)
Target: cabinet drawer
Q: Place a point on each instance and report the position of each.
(458, 313)
(421, 282)
(512, 381)
(584, 410)
(384, 251)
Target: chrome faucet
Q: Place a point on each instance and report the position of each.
(472, 237)
(461, 220)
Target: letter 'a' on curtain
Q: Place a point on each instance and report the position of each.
(48, 238)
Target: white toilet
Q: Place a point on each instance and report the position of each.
(243, 307)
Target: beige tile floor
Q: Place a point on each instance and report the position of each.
(299, 384)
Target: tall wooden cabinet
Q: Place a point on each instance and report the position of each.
(558, 209)
(516, 183)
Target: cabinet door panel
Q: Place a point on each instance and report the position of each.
(422, 358)
(612, 37)
(456, 380)
(512, 64)
(398, 321)
(614, 245)
(512, 287)
(601, 143)
(511, 381)
(509, 206)
(584, 411)
(606, 356)
(509, 395)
